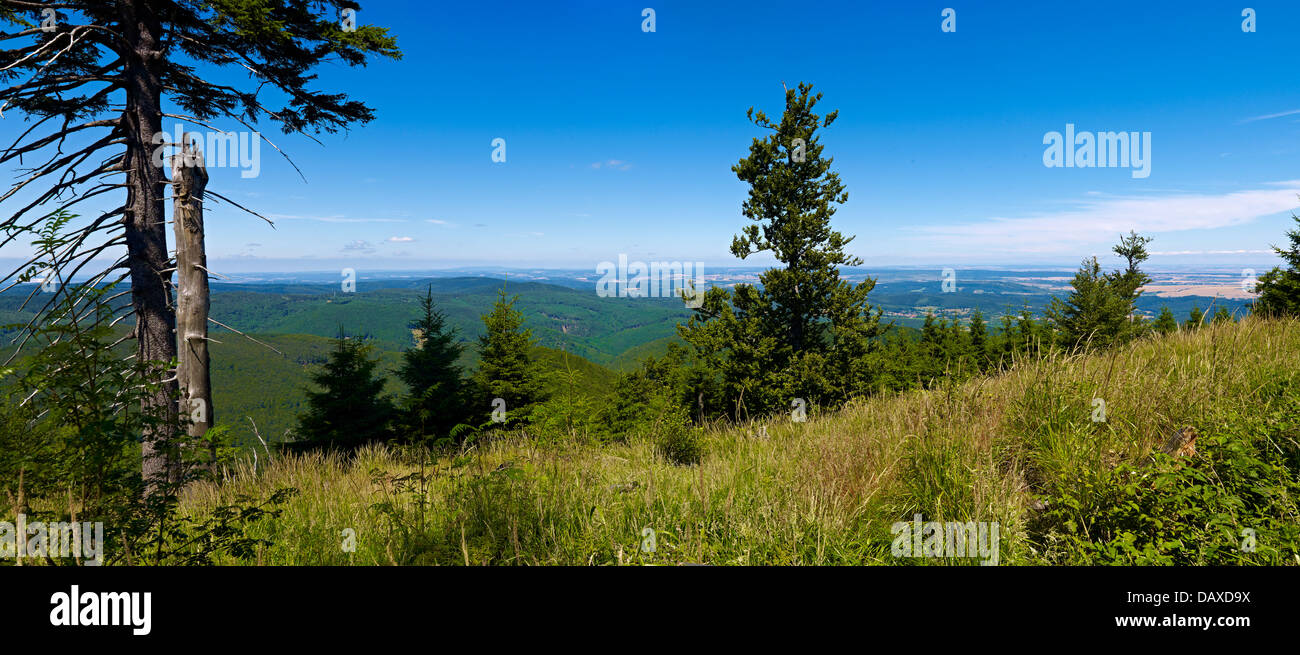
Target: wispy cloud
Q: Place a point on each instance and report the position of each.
(618, 164)
(400, 239)
(1098, 219)
(362, 247)
(334, 219)
(1266, 117)
(443, 223)
(1210, 252)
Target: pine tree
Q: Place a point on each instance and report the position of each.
(350, 409)
(979, 341)
(1165, 323)
(436, 397)
(1222, 315)
(803, 332)
(932, 348)
(506, 367)
(1033, 336)
(1099, 311)
(957, 349)
(1279, 289)
(1128, 283)
(1008, 340)
(1195, 318)
(1091, 313)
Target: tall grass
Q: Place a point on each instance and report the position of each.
(999, 448)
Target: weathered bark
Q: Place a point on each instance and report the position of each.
(189, 177)
(146, 237)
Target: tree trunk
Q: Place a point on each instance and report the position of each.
(145, 231)
(189, 178)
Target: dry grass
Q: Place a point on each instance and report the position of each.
(820, 492)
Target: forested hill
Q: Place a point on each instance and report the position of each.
(598, 329)
(613, 332)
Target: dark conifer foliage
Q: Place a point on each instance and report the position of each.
(436, 394)
(1099, 312)
(1279, 289)
(350, 408)
(506, 367)
(803, 332)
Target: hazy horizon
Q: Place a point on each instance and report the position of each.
(617, 140)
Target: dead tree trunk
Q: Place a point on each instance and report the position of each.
(189, 177)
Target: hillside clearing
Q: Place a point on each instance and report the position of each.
(1021, 449)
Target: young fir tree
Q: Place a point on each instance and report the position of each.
(1034, 336)
(1008, 341)
(1128, 283)
(1222, 315)
(1279, 289)
(350, 409)
(1165, 323)
(1098, 312)
(1195, 318)
(957, 349)
(979, 341)
(436, 387)
(506, 367)
(803, 332)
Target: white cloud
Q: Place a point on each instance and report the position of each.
(400, 239)
(1098, 219)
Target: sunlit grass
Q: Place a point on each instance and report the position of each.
(821, 492)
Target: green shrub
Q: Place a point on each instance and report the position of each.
(1234, 502)
(677, 441)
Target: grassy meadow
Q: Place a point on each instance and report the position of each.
(1058, 451)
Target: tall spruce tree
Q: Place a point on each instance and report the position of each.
(1279, 289)
(506, 367)
(436, 386)
(98, 78)
(803, 332)
(350, 408)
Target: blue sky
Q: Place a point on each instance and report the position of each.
(621, 141)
